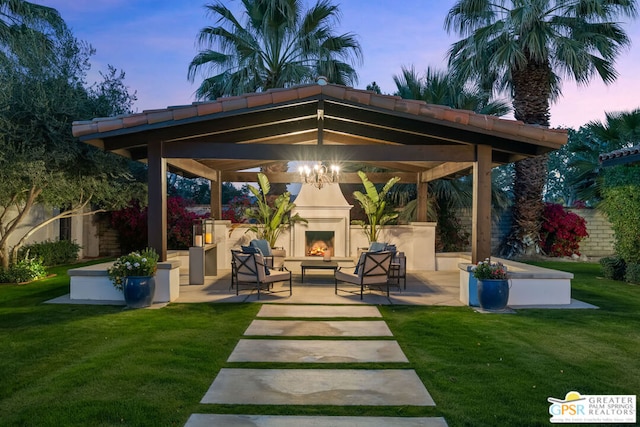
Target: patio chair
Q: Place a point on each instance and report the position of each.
(273, 257)
(398, 270)
(248, 269)
(372, 270)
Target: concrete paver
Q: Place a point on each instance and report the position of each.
(319, 328)
(318, 311)
(226, 420)
(340, 387)
(317, 351)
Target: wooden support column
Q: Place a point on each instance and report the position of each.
(216, 196)
(481, 215)
(157, 198)
(423, 193)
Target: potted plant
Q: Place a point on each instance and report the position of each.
(374, 205)
(493, 285)
(133, 275)
(270, 220)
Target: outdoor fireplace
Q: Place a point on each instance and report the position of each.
(319, 243)
(327, 215)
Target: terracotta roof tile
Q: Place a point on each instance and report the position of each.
(384, 101)
(283, 95)
(207, 108)
(233, 103)
(308, 91)
(623, 152)
(84, 128)
(107, 125)
(134, 120)
(185, 112)
(481, 121)
(159, 116)
(334, 91)
(457, 116)
(433, 111)
(259, 99)
(411, 107)
(361, 97)
(276, 96)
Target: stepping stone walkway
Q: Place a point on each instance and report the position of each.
(313, 386)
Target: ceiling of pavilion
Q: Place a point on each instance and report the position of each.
(312, 123)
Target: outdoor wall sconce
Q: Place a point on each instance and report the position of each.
(319, 174)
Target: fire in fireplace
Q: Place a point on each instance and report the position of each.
(319, 243)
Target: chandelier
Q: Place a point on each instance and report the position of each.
(319, 174)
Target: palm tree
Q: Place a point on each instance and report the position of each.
(526, 47)
(619, 130)
(278, 45)
(442, 88)
(447, 195)
(27, 28)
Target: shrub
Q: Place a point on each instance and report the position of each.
(622, 206)
(632, 274)
(25, 270)
(131, 224)
(51, 253)
(613, 267)
(562, 231)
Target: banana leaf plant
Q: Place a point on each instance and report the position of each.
(270, 220)
(374, 205)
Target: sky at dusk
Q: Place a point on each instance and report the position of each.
(153, 41)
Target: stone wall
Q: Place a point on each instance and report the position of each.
(599, 243)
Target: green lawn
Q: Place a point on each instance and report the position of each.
(99, 365)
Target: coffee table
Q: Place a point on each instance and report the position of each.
(318, 265)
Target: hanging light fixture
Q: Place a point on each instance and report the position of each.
(319, 174)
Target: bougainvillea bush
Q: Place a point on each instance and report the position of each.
(234, 211)
(562, 231)
(131, 224)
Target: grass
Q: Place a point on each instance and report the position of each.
(103, 366)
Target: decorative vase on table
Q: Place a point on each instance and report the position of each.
(493, 294)
(138, 290)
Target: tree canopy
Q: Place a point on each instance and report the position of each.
(41, 94)
(277, 44)
(526, 48)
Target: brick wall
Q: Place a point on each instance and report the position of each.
(601, 237)
(108, 237)
(599, 243)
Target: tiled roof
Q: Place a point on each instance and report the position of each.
(621, 156)
(470, 120)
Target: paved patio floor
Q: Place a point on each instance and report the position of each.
(423, 288)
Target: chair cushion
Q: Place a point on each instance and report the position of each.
(391, 248)
(360, 262)
(256, 250)
(263, 245)
(377, 247)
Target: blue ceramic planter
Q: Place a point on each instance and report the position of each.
(493, 294)
(139, 291)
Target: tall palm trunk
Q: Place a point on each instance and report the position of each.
(531, 105)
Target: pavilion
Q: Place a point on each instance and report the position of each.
(319, 122)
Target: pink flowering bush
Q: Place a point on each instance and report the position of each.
(562, 231)
(131, 224)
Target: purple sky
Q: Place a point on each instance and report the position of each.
(153, 41)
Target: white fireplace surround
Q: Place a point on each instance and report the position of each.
(326, 209)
